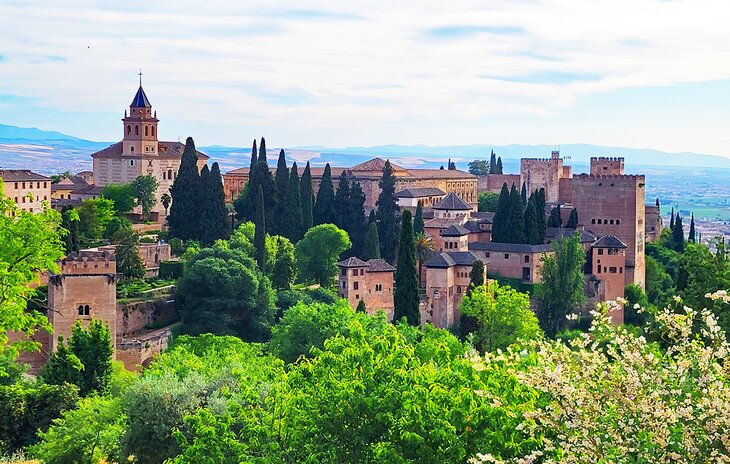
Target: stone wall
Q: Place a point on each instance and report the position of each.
(137, 352)
(493, 182)
(134, 317)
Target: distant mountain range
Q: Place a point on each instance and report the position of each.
(51, 152)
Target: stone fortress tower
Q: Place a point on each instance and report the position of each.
(545, 173)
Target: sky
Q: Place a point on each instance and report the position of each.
(633, 73)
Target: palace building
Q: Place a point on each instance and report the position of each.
(140, 152)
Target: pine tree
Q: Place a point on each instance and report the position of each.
(307, 199)
(418, 227)
(281, 183)
(523, 195)
(540, 209)
(386, 215)
(357, 228)
(342, 204)
(259, 238)
(493, 163)
(185, 208)
(692, 228)
(291, 221)
(324, 208)
(371, 247)
(499, 165)
(371, 217)
(361, 307)
(573, 219)
(678, 234)
(555, 219)
(499, 222)
(405, 298)
(452, 165)
(671, 220)
(214, 215)
(532, 228)
(515, 219)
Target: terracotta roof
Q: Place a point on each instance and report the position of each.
(483, 216)
(452, 258)
(72, 184)
(473, 226)
(62, 202)
(18, 175)
(609, 241)
(140, 100)
(441, 223)
(419, 192)
(89, 189)
(172, 149)
(379, 265)
(510, 247)
(376, 164)
(441, 174)
(552, 233)
(452, 202)
(455, 230)
(352, 262)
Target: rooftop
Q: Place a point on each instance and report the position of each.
(352, 262)
(166, 149)
(452, 258)
(17, 175)
(552, 233)
(419, 192)
(140, 99)
(510, 247)
(379, 265)
(609, 241)
(452, 202)
(455, 230)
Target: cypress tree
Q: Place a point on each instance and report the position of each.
(324, 208)
(692, 228)
(523, 195)
(418, 219)
(307, 199)
(267, 185)
(499, 165)
(493, 163)
(281, 184)
(476, 276)
(573, 219)
(202, 203)
(361, 307)
(356, 219)
(555, 220)
(678, 234)
(515, 229)
(386, 215)
(540, 209)
(262, 151)
(499, 221)
(532, 228)
(657, 203)
(405, 298)
(342, 204)
(371, 217)
(259, 238)
(184, 211)
(292, 219)
(371, 247)
(254, 158)
(671, 220)
(214, 215)
(246, 203)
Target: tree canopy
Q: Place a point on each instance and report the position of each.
(317, 253)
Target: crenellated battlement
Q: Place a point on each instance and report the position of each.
(610, 176)
(607, 158)
(89, 262)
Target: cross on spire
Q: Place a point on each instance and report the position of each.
(140, 77)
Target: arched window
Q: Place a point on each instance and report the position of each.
(164, 175)
(169, 173)
(153, 131)
(599, 221)
(618, 221)
(157, 258)
(593, 221)
(131, 149)
(146, 131)
(136, 130)
(129, 129)
(611, 221)
(605, 221)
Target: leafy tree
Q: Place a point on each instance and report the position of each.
(89, 434)
(145, 188)
(418, 227)
(476, 275)
(116, 225)
(386, 215)
(292, 227)
(129, 263)
(70, 222)
(94, 218)
(452, 166)
(63, 366)
(405, 297)
(30, 244)
(281, 181)
(259, 240)
(678, 241)
(123, 196)
(659, 284)
(324, 209)
(488, 201)
(479, 167)
(283, 270)
(634, 296)
(356, 226)
(307, 195)
(493, 163)
(184, 212)
(213, 215)
(532, 226)
(371, 247)
(561, 292)
(691, 236)
(307, 326)
(555, 219)
(166, 199)
(318, 251)
(501, 216)
(573, 219)
(342, 204)
(502, 314)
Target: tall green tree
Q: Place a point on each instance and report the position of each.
(523, 195)
(540, 209)
(493, 163)
(260, 234)
(467, 323)
(166, 199)
(123, 196)
(214, 223)
(262, 151)
(425, 249)
(515, 224)
(281, 182)
(532, 227)
(561, 292)
(405, 297)
(555, 219)
(387, 214)
(678, 241)
(499, 165)
(671, 220)
(70, 222)
(342, 203)
(292, 219)
(499, 222)
(324, 209)
(184, 212)
(356, 225)
(317, 253)
(691, 236)
(418, 227)
(371, 247)
(573, 219)
(245, 204)
(283, 271)
(145, 188)
(372, 218)
(479, 167)
(307, 196)
(129, 263)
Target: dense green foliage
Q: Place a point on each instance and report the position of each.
(317, 253)
(281, 182)
(291, 222)
(418, 226)
(555, 219)
(144, 192)
(213, 219)
(573, 219)
(405, 297)
(259, 241)
(488, 201)
(371, 247)
(184, 212)
(325, 210)
(123, 196)
(479, 167)
(129, 263)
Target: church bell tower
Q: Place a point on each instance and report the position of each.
(140, 127)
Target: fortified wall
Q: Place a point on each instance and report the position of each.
(537, 173)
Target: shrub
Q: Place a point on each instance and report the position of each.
(171, 269)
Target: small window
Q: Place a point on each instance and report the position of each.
(146, 131)
(378, 287)
(612, 269)
(618, 221)
(131, 149)
(129, 130)
(600, 251)
(357, 297)
(599, 268)
(362, 271)
(356, 285)
(343, 272)
(458, 289)
(136, 130)
(488, 254)
(621, 270)
(611, 222)
(84, 310)
(506, 256)
(527, 258)
(131, 162)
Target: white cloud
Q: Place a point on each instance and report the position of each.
(353, 72)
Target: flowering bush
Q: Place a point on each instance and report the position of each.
(615, 397)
